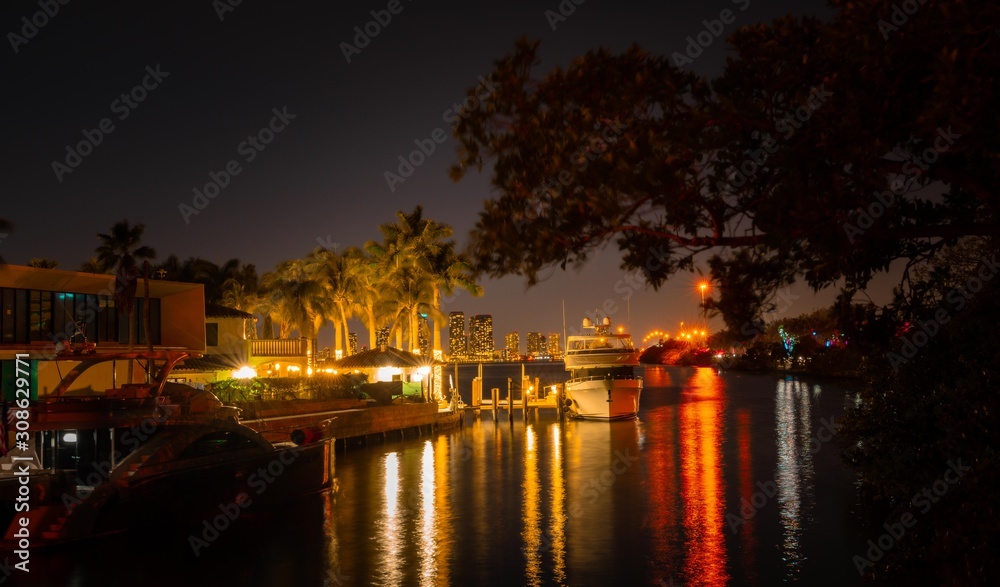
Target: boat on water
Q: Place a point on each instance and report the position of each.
(602, 384)
(130, 455)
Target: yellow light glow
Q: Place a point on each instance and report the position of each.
(386, 373)
(294, 368)
(245, 372)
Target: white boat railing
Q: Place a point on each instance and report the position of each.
(602, 378)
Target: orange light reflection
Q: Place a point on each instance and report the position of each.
(703, 486)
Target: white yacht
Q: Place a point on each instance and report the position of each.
(602, 384)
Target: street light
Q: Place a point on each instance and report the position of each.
(703, 286)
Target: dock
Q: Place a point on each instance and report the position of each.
(533, 398)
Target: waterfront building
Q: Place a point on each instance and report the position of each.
(512, 347)
(43, 311)
(554, 346)
(456, 336)
(481, 344)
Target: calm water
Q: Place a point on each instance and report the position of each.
(723, 480)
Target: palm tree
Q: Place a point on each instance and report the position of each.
(240, 291)
(41, 263)
(295, 297)
(367, 287)
(118, 252)
(447, 271)
(91, 266)
(402, 258)
(407, 289)
(338, 273)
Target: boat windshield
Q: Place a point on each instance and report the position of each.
(600, 343)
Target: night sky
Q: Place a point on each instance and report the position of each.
(321, 178)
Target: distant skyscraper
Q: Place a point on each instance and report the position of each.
(424, 337)
(554, 347)
(512, 348)
(382, 336)
(352, 343)
(536, 344)
(481, 337)
(456, 336)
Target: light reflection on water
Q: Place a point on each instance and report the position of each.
(703, 485)
(655, 501)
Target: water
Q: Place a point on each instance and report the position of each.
(724, 479)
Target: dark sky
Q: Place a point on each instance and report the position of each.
(321, 179)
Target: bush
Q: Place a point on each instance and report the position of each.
(916, 415)
(320, 386)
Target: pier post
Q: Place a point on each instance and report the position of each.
(510, 403)
(538, 396)
(495, 400)
(524, 404)
(560, 397)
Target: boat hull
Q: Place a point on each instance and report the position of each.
(604, 398)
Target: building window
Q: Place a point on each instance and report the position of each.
(212, 334)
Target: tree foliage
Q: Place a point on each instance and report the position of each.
(826, 150)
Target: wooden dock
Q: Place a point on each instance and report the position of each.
(532, 397)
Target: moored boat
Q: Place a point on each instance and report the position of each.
(102, 462)
(602, 384)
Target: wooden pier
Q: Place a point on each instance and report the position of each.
(532, 397)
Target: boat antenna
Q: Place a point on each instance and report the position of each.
(628, 313)
(564, 322)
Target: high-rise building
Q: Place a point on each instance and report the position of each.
(481, 337)
(554, 347)
(512, 347)
(424, 336)
(456, 336)
(352, 343)
(382, 336)
(536, 345)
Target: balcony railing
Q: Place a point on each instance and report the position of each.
(279, 347)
